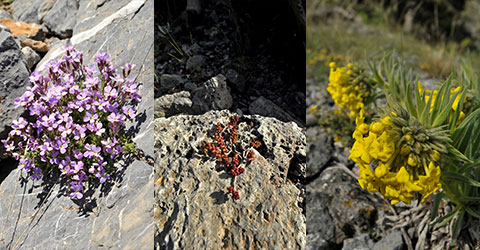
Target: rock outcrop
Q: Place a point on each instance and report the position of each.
(193, 208)
(121, 217)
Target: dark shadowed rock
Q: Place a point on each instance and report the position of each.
(168, 81)
(213, 95)
(14, 75)
(337, 207)
(264, 107)
(320, 149)
(193, 208)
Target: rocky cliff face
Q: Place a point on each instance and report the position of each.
(193, 207)
(120, 216)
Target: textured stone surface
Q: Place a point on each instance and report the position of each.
(29, 30)
(264, 107)
(213, 95)
(193, 210)
(30, 56)
(168, 105)
(13, 78)
(337, 207)
(320, 151)
(121, 220)
(60, 16)
(168, 81)
(361, 242)
(36, 45)
(393, 241)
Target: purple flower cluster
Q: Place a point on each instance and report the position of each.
(77, 116)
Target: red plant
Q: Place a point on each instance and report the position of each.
(225, 150)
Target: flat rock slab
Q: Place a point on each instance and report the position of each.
(193, 209)
(123, 219)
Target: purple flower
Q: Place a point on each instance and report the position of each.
(110, 92)
(76, 187)
(90, 117)
(92, 150)
(102, 57)
(35, 77)
(130, 88)
(77, 154)
(25, 164)
(115, 118)
(37, 174)
(130, 112)
(62, 145)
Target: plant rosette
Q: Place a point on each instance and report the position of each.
(77, 120)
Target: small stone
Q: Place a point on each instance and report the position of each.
(36, 45)
(30, 30)
(190, 86)
(195, 63)
(393, 241)
(361, 242)
(168, 105)
(30, 56)
(168, 82)
(4, 14)
(237, 80)
(4, 28)
(214, 95)
(264, 107)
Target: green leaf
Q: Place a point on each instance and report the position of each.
(472, 212)
(447, 218)
(457, 227)
(436, 204)
(452, 176)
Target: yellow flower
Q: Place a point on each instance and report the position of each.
(361, 148)
(337, 138)
(313, 109)
(430, 182)
(412, 160)
(377, 128)
(332, 65)
(382, 148)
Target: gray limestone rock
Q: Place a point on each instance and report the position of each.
(393, 241)
(338, 208)
(264, 107)
(168, 82)
(26, 10)
(316, 242)
(59, 16)
(320, 149)
(193, 208)
(122, 219)
(213, 95)
(361, 242)
(30, 56)
(168, 105)
(14, 75)
(5, 14)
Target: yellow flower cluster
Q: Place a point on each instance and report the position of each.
(324, 56)
(434, 93)
(347, 88)
(385, 168)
